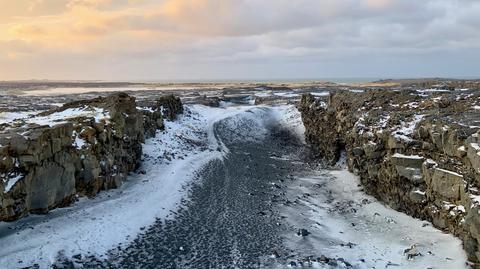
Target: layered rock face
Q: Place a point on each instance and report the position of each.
(417, 152)
(76, 150)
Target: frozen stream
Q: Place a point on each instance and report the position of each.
(238, 192)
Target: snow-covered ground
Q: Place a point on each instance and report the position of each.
(346, 223)
(56, 117)
(6, 117)
(94, 226)
(343, 221)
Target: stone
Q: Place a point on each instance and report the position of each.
(170, 106)
(413, 161)
(395, 143)
(473, 154)
(49, 185)
(412, 174)
(357, 151)
(417, 196)
(210, 101)
(373, 152)
(447, 184)
(472, 221)
(303, 232)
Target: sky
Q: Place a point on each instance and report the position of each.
(238, 39)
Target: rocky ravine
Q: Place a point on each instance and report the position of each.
(418, 152)
(79, 149)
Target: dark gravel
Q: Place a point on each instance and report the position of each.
(230, 219)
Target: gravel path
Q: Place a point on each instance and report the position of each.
(263, 206)
(230, 219)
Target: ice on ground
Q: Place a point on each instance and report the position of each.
(94, 226)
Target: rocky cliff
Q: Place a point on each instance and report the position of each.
(417, 151)
(79, 149)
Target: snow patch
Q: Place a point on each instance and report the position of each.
(94, 226)
(449, 172)
(290, 118)
(372, 235)
(98, 114)
(399, 155)
(10, 182)
(320, 93)
(407, 128)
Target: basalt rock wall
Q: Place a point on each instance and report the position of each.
(419, 153)
(79, 149)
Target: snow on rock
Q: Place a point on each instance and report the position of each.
(432, 90)
(10, 182)
(399, 155)
(449, 172)
(320, 93)
(62, 116)
(98, 114)
(407, 128)
(94, 226)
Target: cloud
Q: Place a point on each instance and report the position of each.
(215, 34)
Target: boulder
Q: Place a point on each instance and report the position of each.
(412, 174)
(417, 196)
(413, 161)
(170, 106)
(473, 154)
(447, 184)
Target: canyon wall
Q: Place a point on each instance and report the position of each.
(79, 149)
(416, 151)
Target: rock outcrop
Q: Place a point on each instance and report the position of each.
(76, 150)
(170, 106)
(417, 152)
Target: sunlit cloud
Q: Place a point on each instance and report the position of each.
(160, 36)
